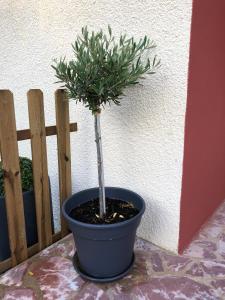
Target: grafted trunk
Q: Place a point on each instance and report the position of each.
(98, 140)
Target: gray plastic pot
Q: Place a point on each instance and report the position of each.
(30, 222)
(104, 252)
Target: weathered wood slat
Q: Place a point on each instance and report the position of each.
(64, 156)
(12, 180)
(40, 167)
(25, 134)
(10, 157)
(7, 264)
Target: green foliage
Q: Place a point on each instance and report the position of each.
(103, 67)
(26, 175)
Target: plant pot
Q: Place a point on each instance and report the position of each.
(30, 223)
(104, 252)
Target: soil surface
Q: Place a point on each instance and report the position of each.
(116, 211)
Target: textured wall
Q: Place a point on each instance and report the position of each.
(204, 151)
(143, 139)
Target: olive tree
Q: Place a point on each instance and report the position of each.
(101, 69)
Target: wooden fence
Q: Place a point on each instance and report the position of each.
(37, 133)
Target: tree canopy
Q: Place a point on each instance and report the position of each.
(104, 66)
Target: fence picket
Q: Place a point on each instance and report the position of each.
(40, 167)
(37, 133)
(12, 180)
(64, 156)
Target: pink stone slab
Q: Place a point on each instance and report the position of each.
(210, 241)
(19, 294)
(157, 274)
(14, 276)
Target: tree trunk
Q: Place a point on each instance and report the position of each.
(98, 140)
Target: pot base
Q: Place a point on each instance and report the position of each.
(84, 275)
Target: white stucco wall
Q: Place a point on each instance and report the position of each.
(143, 139)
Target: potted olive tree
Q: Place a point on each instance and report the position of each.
(104, 219)
(26, 171)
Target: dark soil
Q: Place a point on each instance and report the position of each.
(116, 211)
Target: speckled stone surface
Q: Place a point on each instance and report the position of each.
(198, 274)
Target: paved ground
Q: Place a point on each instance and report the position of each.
(198, 274)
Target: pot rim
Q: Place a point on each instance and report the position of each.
(103, 226)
